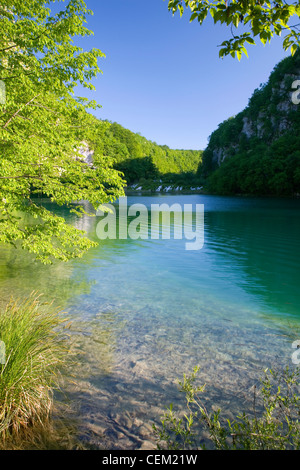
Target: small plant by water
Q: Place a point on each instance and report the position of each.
(273, 424)
(35, 349)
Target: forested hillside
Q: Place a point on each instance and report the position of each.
(143, 161)
(258, 151)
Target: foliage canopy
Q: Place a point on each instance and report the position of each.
(42, 126)
(256, 18)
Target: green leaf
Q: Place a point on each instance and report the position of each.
(294, 49)
(250, 40)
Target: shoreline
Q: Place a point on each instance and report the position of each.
(136, 192)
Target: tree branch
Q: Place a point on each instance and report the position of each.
(17, 112)
(7, 48)
(18, 177)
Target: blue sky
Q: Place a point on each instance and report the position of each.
(162, 75)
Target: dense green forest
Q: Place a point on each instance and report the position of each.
(258, 150)
(144, 162)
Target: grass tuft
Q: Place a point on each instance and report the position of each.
(35, 350)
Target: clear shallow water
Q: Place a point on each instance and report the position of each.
(145, 312)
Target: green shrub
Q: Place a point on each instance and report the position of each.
(273, 424)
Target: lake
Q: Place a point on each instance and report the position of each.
(146, 311)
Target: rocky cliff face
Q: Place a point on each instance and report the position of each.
(87, 153)
(270, 114)
(282, 95)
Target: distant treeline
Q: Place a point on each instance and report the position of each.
(141, 160)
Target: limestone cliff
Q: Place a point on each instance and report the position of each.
(271, 113)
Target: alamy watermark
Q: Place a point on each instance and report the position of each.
(2, 353)
(296, 355)
(138, 222)
(2, 92)
(296, 94)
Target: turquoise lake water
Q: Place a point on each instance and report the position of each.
(146, 311)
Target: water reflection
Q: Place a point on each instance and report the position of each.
(265, 249)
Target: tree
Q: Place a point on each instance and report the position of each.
(43, 125)
(258, 18)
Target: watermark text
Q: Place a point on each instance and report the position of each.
(138, 222)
